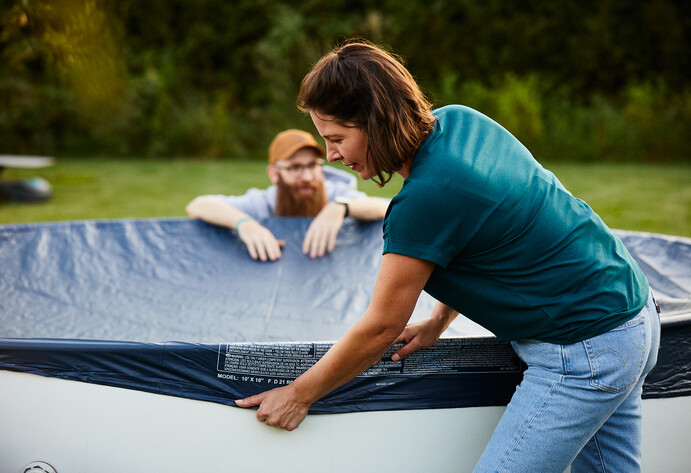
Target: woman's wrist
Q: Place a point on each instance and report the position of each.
(302, 391)
(443, 315)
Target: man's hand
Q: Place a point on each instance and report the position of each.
(279, 408)
(322, 232)
(260, 242)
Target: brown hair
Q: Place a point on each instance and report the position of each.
(361, 83)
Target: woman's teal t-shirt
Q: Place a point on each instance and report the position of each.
(514, 250)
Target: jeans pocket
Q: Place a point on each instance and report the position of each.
(617, 357)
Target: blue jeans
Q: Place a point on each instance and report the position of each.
(578, 404)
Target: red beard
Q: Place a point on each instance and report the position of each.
(291, 203)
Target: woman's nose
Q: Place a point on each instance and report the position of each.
(333, 155)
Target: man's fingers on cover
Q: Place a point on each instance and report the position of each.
(311, 240)
(331, 243)
(262, 244)
(261, 251)
(316, 249)
(252, 251)
(311, 237)
(273, 249)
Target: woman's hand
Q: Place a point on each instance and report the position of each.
(322, 232)
(425, 333)
(260, 242)
(279, 407)
(418, 336)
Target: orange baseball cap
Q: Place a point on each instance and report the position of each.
(288, 142)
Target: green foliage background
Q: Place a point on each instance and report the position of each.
(584, 80)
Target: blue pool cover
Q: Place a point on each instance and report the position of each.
(177, 307)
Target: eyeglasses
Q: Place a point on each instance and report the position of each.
(297, 169)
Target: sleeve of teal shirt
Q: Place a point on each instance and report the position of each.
(457, 181)
(432, 223)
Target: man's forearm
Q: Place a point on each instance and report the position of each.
(215, 211)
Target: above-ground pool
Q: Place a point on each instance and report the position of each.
(124, 343)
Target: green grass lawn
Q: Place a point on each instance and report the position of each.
(652, 198)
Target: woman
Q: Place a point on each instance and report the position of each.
(488, 232)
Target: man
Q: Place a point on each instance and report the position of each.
(301, 188)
